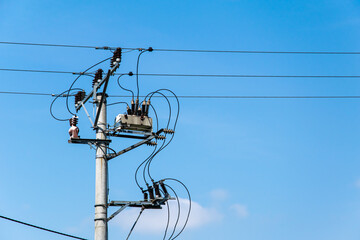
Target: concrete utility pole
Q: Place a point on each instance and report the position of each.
(101, 178)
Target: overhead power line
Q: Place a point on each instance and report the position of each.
(185, 75)
(41, 228)
(244, 75)
(191, 96)
(188, 50)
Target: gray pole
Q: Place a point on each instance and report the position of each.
(101, 178)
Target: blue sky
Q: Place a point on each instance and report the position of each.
(257, 168)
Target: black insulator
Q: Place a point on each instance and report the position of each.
(143, 107)
(128, 110)
(132, 107)
(151, 193)
(150, 49)
(164, 188)
(73, 121)
(147, 108)
(98, 76)
(157, 190)
(82, 95)
(131, 73)
(138, 112)
(116, 57)
(146, 196)
(136, 104)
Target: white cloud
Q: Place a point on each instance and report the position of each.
(154, 221)
(357, 183)
(219, 194)
(240, 210)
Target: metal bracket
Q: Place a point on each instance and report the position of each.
(88, 141)
(117, 212)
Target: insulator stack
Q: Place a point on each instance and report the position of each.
(79, 96)
(146, 196)
(132, 106)
(73, 121)
(116, 57)
(143, 108)
(151, 193)
(128, 110)
(169, 131)
(163, 187)
(98, 76)
(136, 105)
(157, 190)
(146, 113)
(152, 143)
(160, 137)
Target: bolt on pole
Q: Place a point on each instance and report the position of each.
(101, 178)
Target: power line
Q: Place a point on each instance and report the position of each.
(195, 96)
(187, 75)
(41, 228)
(40, 71)
(188, 50)
(244, 75)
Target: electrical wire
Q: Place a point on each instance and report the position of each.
(188, 96)
(110, 104)
(51, 105)
(243, 75)
(41, 71)
(189, 211)
(141, 211)
(179, 210)
(188, 50)
(42, 228)
(128, 90)
(137, 72)
(67, 102)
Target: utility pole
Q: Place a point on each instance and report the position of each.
(101, 178)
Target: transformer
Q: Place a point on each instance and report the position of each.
(133, 122)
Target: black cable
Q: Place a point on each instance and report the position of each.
(41, 228)
(179, 210)
(244, 75)
(141, 211)
(59, 95)
(188, 192)
(189, 50)
(157, 129)
(41, 71)
(251, 51)
(137, 73)
(110, 104)
(235, 97)
(67, 101)
(168, 219)
(128, 90)
(172, 136)
(187, 97)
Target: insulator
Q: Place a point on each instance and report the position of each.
(138, 112)
(79, 96)
(147, 108)
(143, 107)
(169, 131)
(164, 188)
(82, 95)
(136, 104)
(128, 110)
(152, 143)
(73, 121)
(146, 196)
(151, 193)
(116, 57)
(98, 76)
(157, 190)
(160, 137)
(132, 107)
